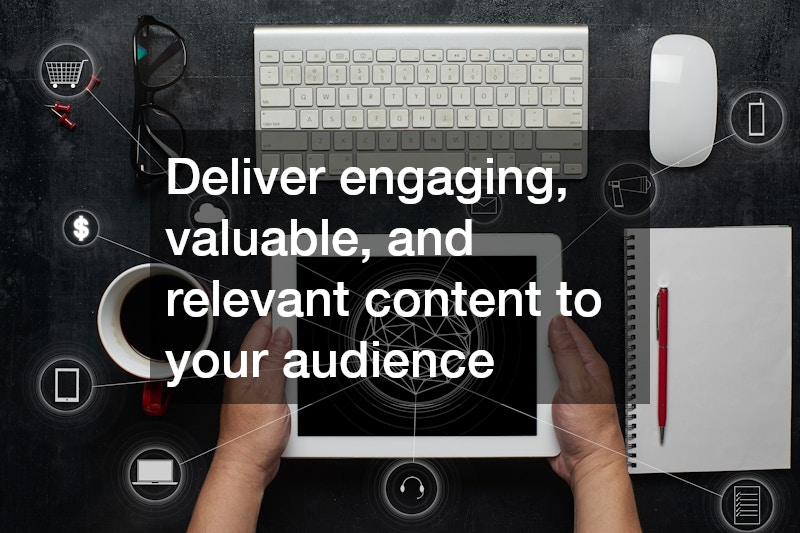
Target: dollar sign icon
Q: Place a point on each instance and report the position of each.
(81, 226)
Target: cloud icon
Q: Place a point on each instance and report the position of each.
(208, 214)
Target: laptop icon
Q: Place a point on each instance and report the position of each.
(154, 472)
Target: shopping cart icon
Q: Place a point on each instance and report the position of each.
(64, 72)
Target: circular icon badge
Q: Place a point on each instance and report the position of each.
(757, 118)
(81, 228)
(748, 504)
(486, 210)
(154, 475)
(64, 69)
(630, 189)
(65, 386)
(411, 489)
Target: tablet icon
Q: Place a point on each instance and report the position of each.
(67, 385)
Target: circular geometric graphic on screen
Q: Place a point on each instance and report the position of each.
(757, 118)
(425, 395)
(64, 69)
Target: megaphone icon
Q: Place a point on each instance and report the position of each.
(636, 184)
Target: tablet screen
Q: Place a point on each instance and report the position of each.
(429, 405)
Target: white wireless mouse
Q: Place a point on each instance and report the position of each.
(683, 100)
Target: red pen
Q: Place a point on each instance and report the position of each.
(662, 305)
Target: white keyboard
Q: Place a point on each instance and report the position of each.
(422, 96)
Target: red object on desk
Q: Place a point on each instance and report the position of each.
(661, 333)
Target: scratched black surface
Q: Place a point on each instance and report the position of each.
(63, 477)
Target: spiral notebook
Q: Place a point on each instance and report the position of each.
(730, 348)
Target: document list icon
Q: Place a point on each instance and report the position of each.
(746, 505)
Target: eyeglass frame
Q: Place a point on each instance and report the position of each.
(144, 97)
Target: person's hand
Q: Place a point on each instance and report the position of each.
(584, 412)
(255, 421)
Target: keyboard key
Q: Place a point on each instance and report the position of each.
(404, 74)
(398, 118)
(523, 140)
(550, 55)
(484, 95)
(316, 56)
(326, 97)
(415, 96)
(551, 157)
(455, 140)
(443, 118)
(433, 55)
(268, 75)
(512, 118)
(410, 140)
(432, 140)
(558, 140)
(551, 95)
(292, 75)
(309, 119)
(269, 56)
(495, 73)
(398, 160)
(528, 96)
(473, 73)
(467, 118)
(393, 96)
(370, 96)
(292, 56)
(274, 141)
(387, 140)
(506, 95)
(337, 74)
(359, 74)
(503, 55)
(340, 56)
(270, 161)
(480, 160)
(449, 74)
(376, 118)
(338, 163)
(567, 73)
(456, 55)
(275, 97)
(526, 55)
(573, 55)
(362, 56)
(489, 118)
(342, 140)
(292, 160)
(462, 96)
(365, 140)
(314, 75)
(381, 74)
(540, 74)
(426, 74)
(573, 95)
(348, 96)
(564, 118)
(421, 118)
(315, 160)
(278, 119)
(303, 96)
(320, 140)
(354, 119)
(573, 168)
(479, 55)
(386, 55)
(517, 74)
(506, 160)
(331, 119)
(555, 167)
(501, 140)
(438, 96)
(478, 140)
(409, 55)
(534, 118)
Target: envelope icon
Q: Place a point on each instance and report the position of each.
(486, 205)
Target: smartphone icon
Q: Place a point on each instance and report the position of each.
(755, 119)
(67, 385)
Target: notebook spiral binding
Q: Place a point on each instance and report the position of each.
(630, 350)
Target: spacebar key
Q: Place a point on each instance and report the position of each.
(397, 161)
(559, 140)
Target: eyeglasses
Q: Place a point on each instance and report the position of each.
(159, 61)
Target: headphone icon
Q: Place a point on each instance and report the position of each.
(421, 486)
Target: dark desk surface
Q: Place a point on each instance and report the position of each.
(65, 476)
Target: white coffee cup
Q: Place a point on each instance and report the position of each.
(109, 327)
